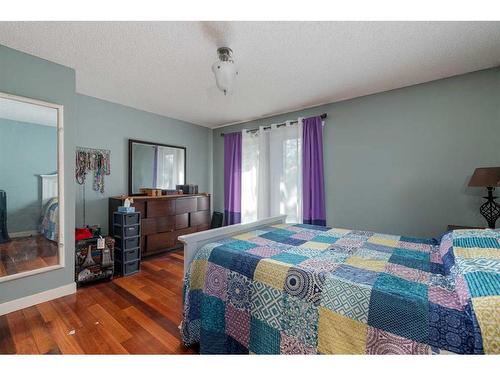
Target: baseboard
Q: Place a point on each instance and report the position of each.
(37, 298)
(26, 233)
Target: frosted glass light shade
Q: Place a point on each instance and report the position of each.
(224, 72)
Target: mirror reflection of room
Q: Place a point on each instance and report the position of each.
(156, 166)
(29, 204)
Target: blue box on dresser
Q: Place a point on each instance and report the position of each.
(127, 232)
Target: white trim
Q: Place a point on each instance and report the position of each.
(60, 171)
(26, 233)
(34, 299)
(195, 241)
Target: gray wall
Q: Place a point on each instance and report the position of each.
(143, 161)
(26, 151)
(29, 76)
(102, 124)
(399, 161)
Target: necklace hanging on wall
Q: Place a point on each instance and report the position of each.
(96, 160)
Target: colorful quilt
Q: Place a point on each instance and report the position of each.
(49, 226)
(303, 289)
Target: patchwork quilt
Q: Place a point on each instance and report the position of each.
(303, 289)
(49, 226)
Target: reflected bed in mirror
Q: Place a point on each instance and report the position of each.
(155, 166)
(30, 206)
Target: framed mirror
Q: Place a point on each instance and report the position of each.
(31, 187)
(155, 166)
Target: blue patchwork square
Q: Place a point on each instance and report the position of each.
(223, 256)
(313, 227)
(355, 274)
(437, 268)
(273, 236)
(234, 347)
(300, 320)
(448, 261)
(377, 247)
(195, 296)
(263, 338)
(427, 241)
(245, 263)
(289, 258)
(395, 285)
(325, 239)
(212, 342)
(482, 284)
(402, 316)
(482, 242)
(213, 314)
(450, 329)
(292, 241)
(412, 259)
(240, 245)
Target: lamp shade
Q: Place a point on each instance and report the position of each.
(225, 72)
(485, 177)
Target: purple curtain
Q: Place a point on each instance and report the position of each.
(313, 185)
(232, 178)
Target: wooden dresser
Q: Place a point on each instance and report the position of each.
(165, 218)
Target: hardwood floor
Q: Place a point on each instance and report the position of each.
(137, 314)
(26, 254)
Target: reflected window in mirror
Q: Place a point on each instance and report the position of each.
(155, 166)
(29, 186)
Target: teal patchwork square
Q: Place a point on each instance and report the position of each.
(240, 245)
(347, 298)
(412, 259)
(289, 258)
(325, 239)
(264, 339)
(482, 284)
(300, 320)
(266, 304)
(213, 314)
(393, 285)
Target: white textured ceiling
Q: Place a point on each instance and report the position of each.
(164, 67)
(11, 109)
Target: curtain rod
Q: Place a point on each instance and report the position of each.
(323, 116)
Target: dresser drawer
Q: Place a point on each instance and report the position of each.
(185, 205)
(158, 208)
(158, 225)
(203, 203)
(181, 221)
(200, 218)
(160, 241)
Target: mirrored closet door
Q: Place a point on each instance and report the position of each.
(30, 188)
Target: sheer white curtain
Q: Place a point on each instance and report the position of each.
(169, 168)
(272, 173)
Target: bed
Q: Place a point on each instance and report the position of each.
(49, 221)
(276, 288)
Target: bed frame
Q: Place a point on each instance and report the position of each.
(194, 242)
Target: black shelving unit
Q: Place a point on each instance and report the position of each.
(127, 235)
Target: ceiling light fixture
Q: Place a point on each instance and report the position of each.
(224, 69)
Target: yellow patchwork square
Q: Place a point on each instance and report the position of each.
(272, 273)
(339, 231)
(245, 236)
(487, 312)
(281, 226)
(338, 334)
(315, 245)
(476, 252)
(391, 242)
(376, 265)
(198, 271)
